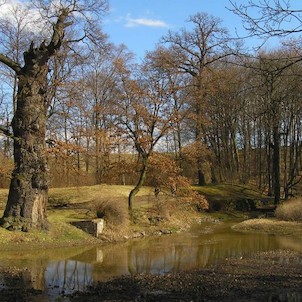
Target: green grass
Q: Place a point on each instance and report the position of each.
(84, 194)
(233, 197)
(60, 233)
(76, 203)
(78, 195)
(230, 192)
(66, 205)
(74, 195)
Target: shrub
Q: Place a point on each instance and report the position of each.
(290, 210)
(197, 200)
(113, 211)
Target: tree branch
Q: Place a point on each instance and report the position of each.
(267, 19)
(58, 32)
(6, 132)
(10, 63)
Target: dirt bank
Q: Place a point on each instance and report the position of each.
(270, 276)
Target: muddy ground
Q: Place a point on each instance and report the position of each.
(270, 276)
(274, 276)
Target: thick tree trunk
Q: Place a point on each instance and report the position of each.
(26, 206)
(27, 199)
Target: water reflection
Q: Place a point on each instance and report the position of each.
(68, 270)
(67, 275)
(180, 252)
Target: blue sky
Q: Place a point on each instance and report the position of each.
(139, 24)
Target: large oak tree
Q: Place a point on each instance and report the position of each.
(28, 193)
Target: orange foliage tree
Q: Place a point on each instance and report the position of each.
(145, 112)
(165, 175)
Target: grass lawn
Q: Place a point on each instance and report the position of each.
(77, 203)
(66, 205)
(223, 192)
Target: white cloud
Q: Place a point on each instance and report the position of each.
(17, 13)
(15, 10)
(8, 7)
(145, 22)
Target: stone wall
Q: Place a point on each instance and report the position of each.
(94, 227)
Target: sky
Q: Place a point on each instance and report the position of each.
(139, 24)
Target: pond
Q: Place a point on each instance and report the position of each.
(66, 270)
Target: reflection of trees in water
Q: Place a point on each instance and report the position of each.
(63, 276)
(233, 245)
(152, 255)
(170, 253)
(194, 252)
(68, 275)
(165, 257)
(33, 268)
(37, 271)
(114, 262)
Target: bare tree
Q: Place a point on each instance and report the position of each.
(177, 83)
(26, 206)
(194, 53)
(266, 19)
(100, 89)
(271, 103)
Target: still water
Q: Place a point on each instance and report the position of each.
(66, 270)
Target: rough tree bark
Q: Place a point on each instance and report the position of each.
(28, 193)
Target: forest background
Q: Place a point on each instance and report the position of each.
(201, 108)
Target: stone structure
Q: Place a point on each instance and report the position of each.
(94, 227)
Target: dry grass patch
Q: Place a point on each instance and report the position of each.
(270, 226)
(290, 210)
(112, 210)
(115, 213)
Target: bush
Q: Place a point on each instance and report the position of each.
(195, 199)
(113, 211)
(290, 210)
